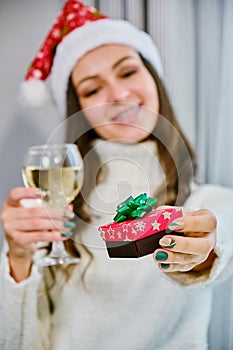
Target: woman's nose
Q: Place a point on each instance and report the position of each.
(118, 92)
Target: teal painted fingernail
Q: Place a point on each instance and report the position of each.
(167, 242)
(165, 266)
(176, 225)
(69, 224)
(161, 256)
(67, 234)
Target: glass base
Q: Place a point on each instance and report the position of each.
(56, 260)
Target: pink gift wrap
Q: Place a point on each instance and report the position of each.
(139, 237)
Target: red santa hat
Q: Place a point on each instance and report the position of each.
(78, 29)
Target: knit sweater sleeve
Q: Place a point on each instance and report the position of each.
(220, 201)
(19, 325)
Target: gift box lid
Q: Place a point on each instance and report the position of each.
(131, 230)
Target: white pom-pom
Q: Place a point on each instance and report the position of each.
(33, 93)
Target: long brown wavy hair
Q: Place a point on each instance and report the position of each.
(174, 151)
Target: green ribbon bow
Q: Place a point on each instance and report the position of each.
(134, 208)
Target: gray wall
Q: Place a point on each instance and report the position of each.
(23, 26)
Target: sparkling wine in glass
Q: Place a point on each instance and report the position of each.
(57, 170)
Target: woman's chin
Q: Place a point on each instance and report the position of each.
(129, 137)
(125, 132)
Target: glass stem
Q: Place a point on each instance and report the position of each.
(58, 249)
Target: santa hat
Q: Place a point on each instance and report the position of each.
(78, 29)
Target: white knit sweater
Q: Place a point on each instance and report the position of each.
(126, 303)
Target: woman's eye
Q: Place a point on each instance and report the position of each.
(129, 73)
(91, 92)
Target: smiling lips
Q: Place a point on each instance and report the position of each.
(127, 116)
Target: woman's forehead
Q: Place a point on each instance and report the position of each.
(107, 55)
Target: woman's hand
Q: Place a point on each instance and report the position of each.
(194, 251)
(24, 227)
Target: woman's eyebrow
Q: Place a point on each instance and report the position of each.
(85, 79)
(121, 60)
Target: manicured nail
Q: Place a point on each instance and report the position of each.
(161, 256)
(67, 234)
(165, 266)
(69, 224)
(176, 225)
(167, 242)
(68, 214)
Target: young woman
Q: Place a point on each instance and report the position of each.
(108, 83)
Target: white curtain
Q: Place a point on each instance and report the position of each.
(214, 129)
(195, 41)
(215, 90)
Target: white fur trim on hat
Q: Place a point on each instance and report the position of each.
(33, 93)
(90, 36)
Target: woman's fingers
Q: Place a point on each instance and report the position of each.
(36, 224)
(183, 253)
(26, 225)
(176, 267)
(28, 221)
(177, 258)
(195, 221)
(37, 212)
(184, 257)
(188, 245)
(19, 193)
(179, 253)
(36, 236)
(36, 219)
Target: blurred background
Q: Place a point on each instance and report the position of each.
(195, 42)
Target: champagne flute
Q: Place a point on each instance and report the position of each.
(57, 170)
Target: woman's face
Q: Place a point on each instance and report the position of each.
(114, 79)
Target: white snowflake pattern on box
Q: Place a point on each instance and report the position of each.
(156, 221)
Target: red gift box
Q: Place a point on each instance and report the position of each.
(139, 237)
